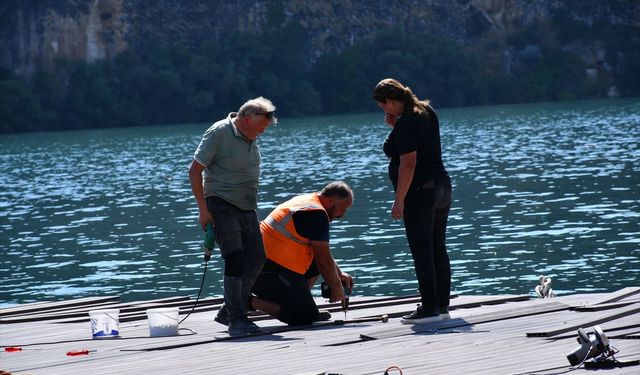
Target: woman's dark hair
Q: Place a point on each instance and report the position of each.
(390, 88)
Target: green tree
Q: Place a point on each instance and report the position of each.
(20, 109)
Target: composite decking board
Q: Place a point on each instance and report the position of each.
(81, 314)
(588, 321)
(609, 328)
(283, 328)
(464, 302)
(133, 313)
(50, 314)
(269, 331)
(397, 310)
(467, 320)
(329, 354)
(207, 306)
(525, 325)
(172, 354)
(140, 313)
(141, 331)
(23, 334)
(304, 352)
(93, 306)
(356, 300)
(623, 334)
(137, 316)
(45, 334)
(617, 295)
(279, 327)
(59, 361)
(356, 303)
(489, 352)
(128, 311)
(484, 348)
(308, 360)
(527, 352)
(40, 306)
(606, 306)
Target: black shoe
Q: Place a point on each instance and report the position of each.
(223, 316)
(420, 316)
(323, 315)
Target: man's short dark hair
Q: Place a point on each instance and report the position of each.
(337, 189)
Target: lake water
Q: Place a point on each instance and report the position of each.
(548, 189)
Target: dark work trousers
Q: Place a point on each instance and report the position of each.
(240, 241)
(426, 211)
(288, 289)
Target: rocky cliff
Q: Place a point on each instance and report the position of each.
(33, 31)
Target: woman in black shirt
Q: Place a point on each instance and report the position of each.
(423, 192)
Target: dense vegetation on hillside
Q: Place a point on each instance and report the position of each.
(174, 84)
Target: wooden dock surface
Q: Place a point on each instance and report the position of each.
(505, 334)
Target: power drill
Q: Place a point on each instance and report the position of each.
(345, 303)
(209, 242)
(325, 291)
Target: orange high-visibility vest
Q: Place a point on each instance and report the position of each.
(282, 243)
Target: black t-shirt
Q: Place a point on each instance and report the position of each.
(313, 224)
(416, 133)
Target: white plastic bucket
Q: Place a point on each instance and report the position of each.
(105, 323)
(163, 321)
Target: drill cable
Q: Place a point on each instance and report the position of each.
(199, 292)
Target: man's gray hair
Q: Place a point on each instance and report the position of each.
(257, 106)
(337, 189)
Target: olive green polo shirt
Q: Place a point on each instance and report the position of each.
(232, 164)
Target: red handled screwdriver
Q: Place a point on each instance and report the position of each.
(80, 352)
(12, 349)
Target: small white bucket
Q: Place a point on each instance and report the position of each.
(163, 321)
(105, 323)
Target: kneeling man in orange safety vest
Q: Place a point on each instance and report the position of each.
(296, 242)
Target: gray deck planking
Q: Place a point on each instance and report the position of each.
(596, 318)
(542, 307)
(618, 295)
(493, 347)
(39, 306)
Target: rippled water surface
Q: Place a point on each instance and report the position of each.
(549, 189)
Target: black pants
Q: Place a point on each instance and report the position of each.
(290, 290)
(239, 238)
(426, 211)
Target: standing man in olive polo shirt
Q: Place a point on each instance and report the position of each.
(227, 198)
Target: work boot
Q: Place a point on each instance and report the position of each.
(223, 316)
(242, 326)
(236, 307)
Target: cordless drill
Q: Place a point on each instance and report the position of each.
(325, 290)
(209, 242)
(345, 303)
